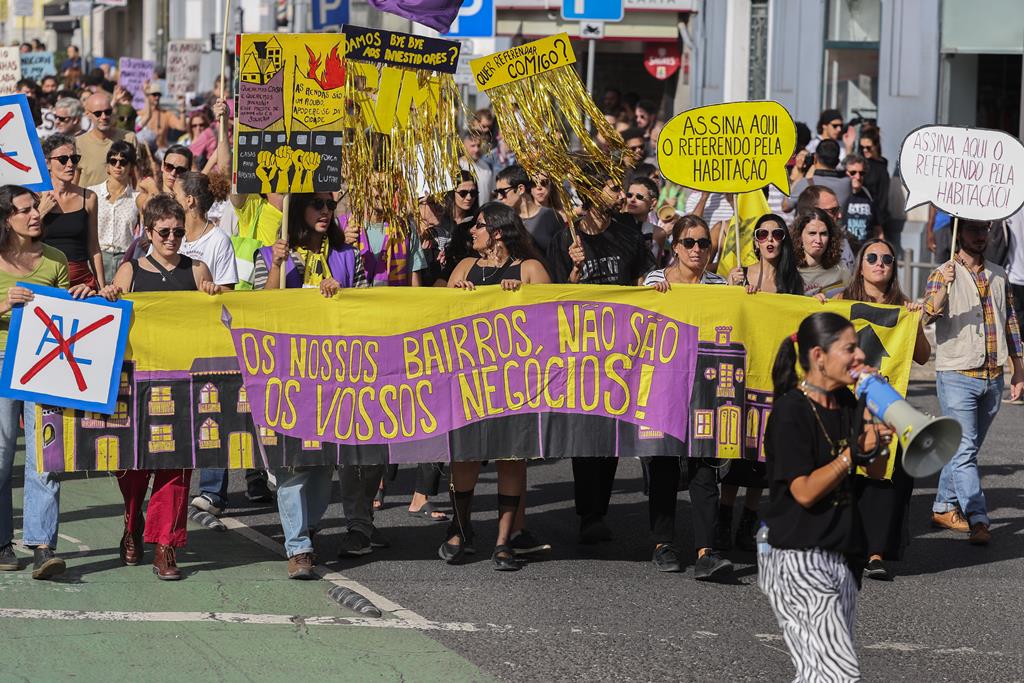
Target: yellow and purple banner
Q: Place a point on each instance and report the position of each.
(401, 375)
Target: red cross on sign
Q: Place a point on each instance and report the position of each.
(63, 347)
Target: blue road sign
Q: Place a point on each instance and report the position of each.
(592, 10)
(474, 20)
(329, 14)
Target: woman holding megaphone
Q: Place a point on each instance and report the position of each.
(811, 545)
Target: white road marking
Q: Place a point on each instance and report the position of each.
(233, 618)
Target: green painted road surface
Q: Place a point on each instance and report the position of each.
(234, 617)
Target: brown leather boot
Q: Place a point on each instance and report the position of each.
(164, 565)
(131, 548)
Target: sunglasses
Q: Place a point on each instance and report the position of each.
(177, 170)
(467, 193)
(777, 234)
(65, 119)
(479, 226)
(836, 125)
(855, 173)
(119, 162)
(702, 243)
(319, 204)
(164, 233)
(198, 125)
(887, 259)
(99, 113)
(834, 212)
(542, 181)
(867, 148)
(63, 159)
(639, 196)
(635, 148)
(500, 192)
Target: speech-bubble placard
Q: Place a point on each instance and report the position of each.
(731, 147)
(970, 173)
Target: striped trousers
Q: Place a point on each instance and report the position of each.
(813, 595)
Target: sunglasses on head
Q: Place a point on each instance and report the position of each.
(118, 162)
(164, 233)
(320, 204)
(500, 192)
(701, 242)
(887, 259)
(63, 159)
(777, 234)
(177, 170)
(99, 113)
(467, 193)
(639, 196)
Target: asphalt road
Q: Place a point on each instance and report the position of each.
(952, 614)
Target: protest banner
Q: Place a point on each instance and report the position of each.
(10, 69)
(401, 49)
(731, 147)
(286, 377)
(65, 352)
(132, 75)
(35, 65)
(21, 156)
(541, 105)
(183, 66)
(291, 111)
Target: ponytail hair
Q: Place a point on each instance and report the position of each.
(818, 329)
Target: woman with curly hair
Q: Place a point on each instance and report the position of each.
(818, 246)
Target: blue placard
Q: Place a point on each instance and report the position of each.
(592, 10)
(107, 406)
(28, 140)
(329, 14)
(474, 20)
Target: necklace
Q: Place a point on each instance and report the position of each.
(497, 270)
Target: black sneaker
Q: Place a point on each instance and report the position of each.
(877, 570)
(354, 544)
(47, 565)
(525, 543)
(712, 567)
(257, 490)
(594, 531)
(666, 558)
(378, 539)
(8, 560)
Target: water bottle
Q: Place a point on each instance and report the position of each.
(763, 548)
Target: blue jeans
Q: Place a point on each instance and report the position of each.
(974, 403)
(303, 495)
(214, 485)
(42, 491)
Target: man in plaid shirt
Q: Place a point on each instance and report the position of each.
(976, 331)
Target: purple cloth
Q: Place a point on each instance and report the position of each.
(435, 14)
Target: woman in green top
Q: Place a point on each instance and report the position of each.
(24, 258)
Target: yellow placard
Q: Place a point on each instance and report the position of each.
(731, 147)
(523, 61)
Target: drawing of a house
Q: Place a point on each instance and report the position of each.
(223, 429)
(261, 61)
(716, 413)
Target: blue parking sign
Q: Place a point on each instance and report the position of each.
(474, 20)
(592, 10)
(329, 14)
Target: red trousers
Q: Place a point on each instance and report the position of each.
(166, 516)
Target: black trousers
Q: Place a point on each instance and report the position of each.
(428, 477)
(592, 483)
(662, 493)
(704, 500)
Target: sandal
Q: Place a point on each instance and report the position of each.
(378, 500)
(427, 510)
(505, 560)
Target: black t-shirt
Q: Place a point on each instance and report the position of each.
(861, 217)
(543, 226)
(616, 256)
(795, 447)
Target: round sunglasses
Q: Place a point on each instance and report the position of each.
(887, 259)
(777, 234)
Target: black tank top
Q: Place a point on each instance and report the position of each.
(494, 276)
(68, 232)
(180, 279)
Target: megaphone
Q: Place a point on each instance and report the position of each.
(928, 442)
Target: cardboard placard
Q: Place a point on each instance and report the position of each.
(35, 65)
(523, 61)
(132, 75)
(21, 155)
(10, 69)
(183, 66)
(401, 49)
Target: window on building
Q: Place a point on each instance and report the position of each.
(703, 424)
(852, 32)
(243, 400)
(161, 438)
(160, 401)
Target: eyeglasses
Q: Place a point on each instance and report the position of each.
(887, 259)
(635, 148)
(835, 212)
(542, 181)
(777, 234)
(63, 159)
(100, 113)
(867, 148)
(855, 173)
(119, 162)
(479, 226)
(702, 243)
(164, 233)
(176, 170)
(836, 125)
(500, 192)
(319, 204)
(64, 119)
(467, 193)
(639, 196)
(197, 125)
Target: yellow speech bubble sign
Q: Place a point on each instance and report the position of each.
(523, 61)
(731, 147)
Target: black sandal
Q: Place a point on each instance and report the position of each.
(427, 511)
(505, 560)
(378, 500)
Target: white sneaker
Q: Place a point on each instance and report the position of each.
(206, 505)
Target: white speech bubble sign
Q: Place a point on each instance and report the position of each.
(970, 173)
